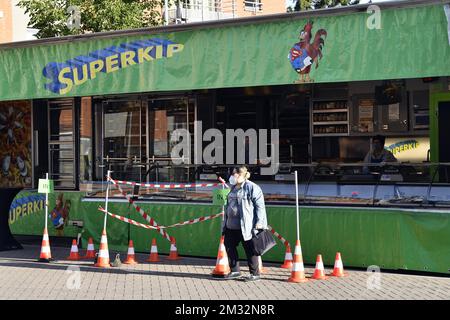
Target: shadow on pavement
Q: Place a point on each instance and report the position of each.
(84, 268)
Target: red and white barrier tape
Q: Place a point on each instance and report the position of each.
(144, 215)
(193, 221)
(222, 182)
(276, 234)
(168, 186)
(161, 229)
(188, 222)
(146, 226)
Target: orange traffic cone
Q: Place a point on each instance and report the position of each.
(338, 270)
(131, 259)
(298, 269)
(319, 271)
(74, 251)
(222, 268)
(287, 258)
(260, 265)
(46, 254)
(153, 252)
(173, 250)
(103, 253)
(90, 253)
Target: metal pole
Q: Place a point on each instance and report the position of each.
(166, 13)
(223, 187)
(296, 205)
(106, 200)
(46, 203)
(223, 206)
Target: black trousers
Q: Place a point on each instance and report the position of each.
(231, 241)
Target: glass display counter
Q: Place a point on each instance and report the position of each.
(393, 184)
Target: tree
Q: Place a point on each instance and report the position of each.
(333, 3)
(53, 18)
(301, 5)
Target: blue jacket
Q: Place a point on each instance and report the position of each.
(252, 211)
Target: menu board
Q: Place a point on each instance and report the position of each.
(15, 144)
(365, 115)
(394, 112)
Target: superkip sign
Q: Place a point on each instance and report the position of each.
(74, 72)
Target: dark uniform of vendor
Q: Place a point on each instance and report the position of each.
(379, 154)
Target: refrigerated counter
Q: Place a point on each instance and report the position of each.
(393, 184)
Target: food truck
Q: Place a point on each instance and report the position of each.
(327, 81)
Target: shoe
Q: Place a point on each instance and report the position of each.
(252, 277)
(233, 275)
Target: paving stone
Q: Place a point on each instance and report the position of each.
(21, 277)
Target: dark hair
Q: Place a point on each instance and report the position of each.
(380, 138)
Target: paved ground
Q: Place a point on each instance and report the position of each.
(21, 277)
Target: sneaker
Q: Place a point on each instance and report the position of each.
(252, 277)
(233, 275)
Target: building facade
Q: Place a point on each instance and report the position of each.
(14, 23)
(6, 21)
(206, 10)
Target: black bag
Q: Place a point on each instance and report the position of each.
(262, 242)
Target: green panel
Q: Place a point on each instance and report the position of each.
(388, 238)
(200, 239)
(220, 196)
(363, 239)
(27, 213)
(411, 43)
(425, 240)
(116, 230)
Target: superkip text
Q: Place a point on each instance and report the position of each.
(76, 71)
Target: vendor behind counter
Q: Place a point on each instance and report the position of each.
(377, 152)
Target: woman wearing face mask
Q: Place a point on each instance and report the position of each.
(245, 213)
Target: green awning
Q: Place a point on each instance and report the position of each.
(413, 42)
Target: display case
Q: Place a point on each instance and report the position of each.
(330, 118)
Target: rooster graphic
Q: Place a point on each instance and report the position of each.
(304, 53)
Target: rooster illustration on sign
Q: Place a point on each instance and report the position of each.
(304, 53)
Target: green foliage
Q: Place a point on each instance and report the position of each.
(301, 5)
(51, 17)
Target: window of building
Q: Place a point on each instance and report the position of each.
(253, 5)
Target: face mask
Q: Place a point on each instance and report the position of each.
(232, 180)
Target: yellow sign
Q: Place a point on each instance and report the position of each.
(410, 149)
